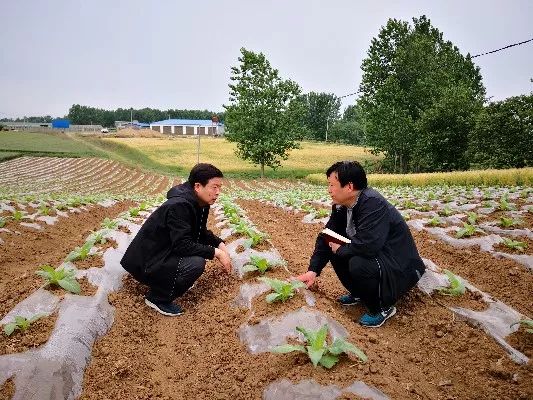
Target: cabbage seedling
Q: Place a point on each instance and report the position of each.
(318, 350)
(283, 290)
(322, 213)
(80, 253)
(508, 222)
(456, 287)
(467, 230)
(134, 211)
(505, 205)
(446, 211)
(514, 244)
(61, 277)
(109, 224)
(257, 264)
(472, 218)
(2, 222)
(435, 221)
(526, 323)
(18, 215)
(20, 323)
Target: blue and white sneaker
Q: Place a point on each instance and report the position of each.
(348, 300)
(168, 309)
(376, 320)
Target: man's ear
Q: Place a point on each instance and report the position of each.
(197, 186)
(351, 186)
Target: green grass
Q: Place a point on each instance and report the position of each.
(488, 177)
(8, 155)
(39, 144)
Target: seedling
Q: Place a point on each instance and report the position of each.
(318, 350)
(508, 222)
(322, 213)
(446, 211)
(505, 205)
(20, 323)
(97, 237)
(3, 222)
(143, 206)
(283, 290)
(467, 230)
(61, 277)
(526, 323)
(80, 253)
(435, 221)
(255, 238)
(514, 244)
(472, 218)
(18, 215)
(456, 287)
(134, 211)
(44, 210)
(109, 224)
(409, 204)
(424, 208)
(257, 264)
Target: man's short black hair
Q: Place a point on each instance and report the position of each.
(202, 172)
(349, 171)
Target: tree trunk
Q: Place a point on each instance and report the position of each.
(262, 170)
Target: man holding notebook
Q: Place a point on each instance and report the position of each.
(377, 260)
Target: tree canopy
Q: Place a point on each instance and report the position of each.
(261, 115)
(420, 98)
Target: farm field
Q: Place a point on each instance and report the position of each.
(107, 344)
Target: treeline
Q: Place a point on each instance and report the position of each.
(84, 115)
(44, 119)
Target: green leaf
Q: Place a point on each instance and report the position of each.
(342, 346)
(315, 354)
(328, 360)
(272, 297)
(320, 338)
(288, 348)
(70, 285)
(249, 268)
(10, 328)
(456, 287)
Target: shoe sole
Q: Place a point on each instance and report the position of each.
(152, 305)
(382, 322)
(349, 304)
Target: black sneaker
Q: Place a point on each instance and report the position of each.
(376, 320)
(348, 300)
(169, 309)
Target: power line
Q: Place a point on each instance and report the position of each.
(503, 48)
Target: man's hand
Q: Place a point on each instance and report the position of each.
(223, 257)
(334, 247)
(308, 278)
(222, 246)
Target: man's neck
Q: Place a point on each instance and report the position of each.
(352, 202)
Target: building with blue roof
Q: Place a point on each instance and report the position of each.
(189, 127)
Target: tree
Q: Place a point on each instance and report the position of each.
(350, 129)
(260, 116)
(322, 113)
(503, 136)
(420, 98)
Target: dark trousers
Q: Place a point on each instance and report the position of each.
(168, 283)
(361, 277)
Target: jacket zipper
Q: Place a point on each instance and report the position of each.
(379, 285)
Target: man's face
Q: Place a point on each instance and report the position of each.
(208, 194)
(345, 196)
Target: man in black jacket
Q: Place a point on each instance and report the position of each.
(381, 263)
(169, 252)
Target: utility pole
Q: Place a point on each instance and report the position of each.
(131, 115)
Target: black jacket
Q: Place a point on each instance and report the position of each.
(382, 235)
(176, 229)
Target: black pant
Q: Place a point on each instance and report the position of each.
(168, 283)
(361, 277)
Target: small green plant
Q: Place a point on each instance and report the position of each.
(456, 286)
(20, 323)
(134, 211)
(318, 350)
(18, 215)
(283, 290)
(61, 277)
(409, 204)
(97, 237)
(3, 222)
(44, 210)
(143, 206)
(446, 211)
(80, 253)
(424, 208)
(467, 230)
(472, 218)
(514, 244)
(259, 264)
(109, 224)
(527, 323)
(505, 205)
(255, 238)
(406, 216)
(506, 222)
(322, 213)
(435, 221)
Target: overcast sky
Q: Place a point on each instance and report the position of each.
(178, 54)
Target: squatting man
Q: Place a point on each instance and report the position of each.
(170, 250)
(381, 262)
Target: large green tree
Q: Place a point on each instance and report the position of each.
(322, 112)
(349, 129)
(260, 115)
(503, 137)
(420, 98)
